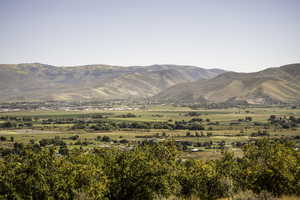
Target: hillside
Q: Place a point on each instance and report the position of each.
(35, 81)
(273, 85)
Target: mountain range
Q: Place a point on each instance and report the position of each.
(41, 82)
(163, 83)
(273, 85)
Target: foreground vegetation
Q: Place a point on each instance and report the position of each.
(156, 152)
(148, 172)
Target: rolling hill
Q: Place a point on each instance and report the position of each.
(273, 85)
(39, 82)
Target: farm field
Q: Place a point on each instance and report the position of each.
(202, 133)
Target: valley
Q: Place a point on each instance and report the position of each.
(197, 132)
(157, 132)
(149, 100)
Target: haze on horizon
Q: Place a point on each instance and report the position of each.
(237, 35)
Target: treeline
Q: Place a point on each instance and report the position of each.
(13, 124)
(99, 121)
(114, 125)
(284, 122)
(147, 172)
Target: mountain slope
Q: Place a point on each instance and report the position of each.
(272, 85)
(35, 81)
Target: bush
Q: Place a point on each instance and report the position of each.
(202, 180)
(74, 137)
(44, 176)
(272, 167)
(149, 171)
(52, 141)
(8, 124)
(146, 172)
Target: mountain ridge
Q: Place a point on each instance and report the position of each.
(37, 81)
(272, 85)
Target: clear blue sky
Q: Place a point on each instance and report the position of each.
(239, 35)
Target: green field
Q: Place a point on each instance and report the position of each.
(220, 126)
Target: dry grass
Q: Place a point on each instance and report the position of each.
(290, 198)
(281, 198)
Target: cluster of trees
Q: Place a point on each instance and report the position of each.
(74, 137)
(99, 122)
(194, 124)
(104, 138)
(193, 114)
(147, 172)
(284, 122)
(188, 125)
(14, 118)
(52, 141)
(113, 125)
(61, 121)
(231, 103)
(109, 139)
(246, 119)
(128, 115)
(13, 124)
(197, 134)
(260, 133)
(8, 124)
(68, 119)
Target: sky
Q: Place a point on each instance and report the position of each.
(237, 35)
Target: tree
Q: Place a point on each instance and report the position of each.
(201, 180)
(271, 166)
(63, 150)
(146, 172)
(9, 124)
(106, 139)
(43, 175)
(248, 119)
